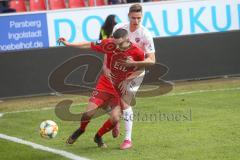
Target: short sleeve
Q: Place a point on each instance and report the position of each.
(148, 43)
(97, 46)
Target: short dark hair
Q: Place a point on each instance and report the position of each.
(120, 33)
(135, 8)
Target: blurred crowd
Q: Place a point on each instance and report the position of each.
(7, 6)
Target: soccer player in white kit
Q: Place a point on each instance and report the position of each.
(139, 35)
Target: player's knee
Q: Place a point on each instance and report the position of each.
(115, 119)
(86, 116)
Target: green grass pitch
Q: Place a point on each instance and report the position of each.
(201, 125)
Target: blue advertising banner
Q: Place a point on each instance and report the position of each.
(19, 32)
(162, 19)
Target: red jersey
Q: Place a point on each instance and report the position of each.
(114, 58)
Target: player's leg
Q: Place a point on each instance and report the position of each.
(127, 100)
(115, 115)
(116, 130)
(128, 123)
(86, 117)
(97, 99)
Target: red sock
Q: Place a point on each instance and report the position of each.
(84, 125)
(107, 126)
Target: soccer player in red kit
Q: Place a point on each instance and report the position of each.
(108, 91)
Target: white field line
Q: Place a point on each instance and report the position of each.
(202, 91)
(43, 148)
(71, 155)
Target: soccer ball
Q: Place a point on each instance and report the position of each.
(48, 129)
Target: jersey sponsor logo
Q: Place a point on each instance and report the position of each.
(109, 47)
(118, 66)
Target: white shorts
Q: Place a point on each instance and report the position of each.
(131, 89)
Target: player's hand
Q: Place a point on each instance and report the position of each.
(129, 62)
(61, 40)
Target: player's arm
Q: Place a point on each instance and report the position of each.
(150, 58)
(75, 44)
(148, 61)
(135, 74)
(106, 71)
(149, 50)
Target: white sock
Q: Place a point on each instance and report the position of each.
(128, 119)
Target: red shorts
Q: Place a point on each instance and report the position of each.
(102, 99)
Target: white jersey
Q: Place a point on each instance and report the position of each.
(144, 40)
(141, 37)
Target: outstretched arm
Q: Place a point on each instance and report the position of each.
(148, 61)
(76, 44)
(135, 74)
